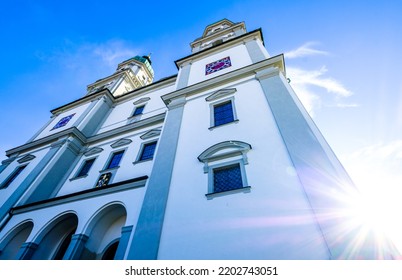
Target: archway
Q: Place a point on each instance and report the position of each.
(14, 239)
(53, 241)
(104, 231)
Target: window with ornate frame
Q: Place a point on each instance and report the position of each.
(225, 165)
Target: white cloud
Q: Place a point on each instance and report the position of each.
(308, 83)
(305, 50)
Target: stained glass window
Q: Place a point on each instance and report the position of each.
(227, 178)
(63, 121)
(223, 113)
(148, 151)
(115, 160)
(11, 178)
(86, 167)
(138, 110)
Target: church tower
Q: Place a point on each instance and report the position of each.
(133, 73)
(220, 161)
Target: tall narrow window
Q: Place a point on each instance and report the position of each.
(86, 167)
(115, 160)
(223, 113)
(11, 178)
(148, 151)
(138, 110)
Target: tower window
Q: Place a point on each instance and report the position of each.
(86, 167)
(138, 110)
(115, 160)
(13, 175)
(223, 113)
(148, 151)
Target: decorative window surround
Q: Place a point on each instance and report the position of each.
(151, 133)
(220, 93)
(26, 158)
(142, 100)
(93, 151)
(121, 142)
(223, 156)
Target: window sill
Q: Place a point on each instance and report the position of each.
(246, 189)
(141, 161)
(213, 127)
(109, 169)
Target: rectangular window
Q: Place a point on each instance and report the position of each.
(115, 160)
(11, 178)
(85, 168)
(227, 178)
(138, 110)
(148, 151)
(223, 113)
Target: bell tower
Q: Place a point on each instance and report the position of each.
(130, 74)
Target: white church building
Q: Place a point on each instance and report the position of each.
(220, 161)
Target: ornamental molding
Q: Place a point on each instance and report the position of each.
(151, 133)
(93, 151)
(220, 93)
(121, 142)
(26, 158)
(224, 150)
(142, 100)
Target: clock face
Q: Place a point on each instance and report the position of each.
(63, 121)
(217, 65)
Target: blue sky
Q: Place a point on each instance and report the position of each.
(343, 59)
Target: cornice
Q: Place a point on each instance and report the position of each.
(104, 92)
(123, 129)
(145, 89)
(224, 45)
(74, 132)
(81, 195)
(276, 61)
(51, 139)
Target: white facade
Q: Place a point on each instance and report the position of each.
(220, 161)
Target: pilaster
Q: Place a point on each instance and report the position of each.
(123, 243)
(76, 247)
(147, 234)
(26, 251)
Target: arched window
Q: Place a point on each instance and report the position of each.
(224, 164)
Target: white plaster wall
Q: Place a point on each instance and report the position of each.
(7, 192)
(120, 115)
(128, 169)
(49, 129)
(272, 221)
(239, 57)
